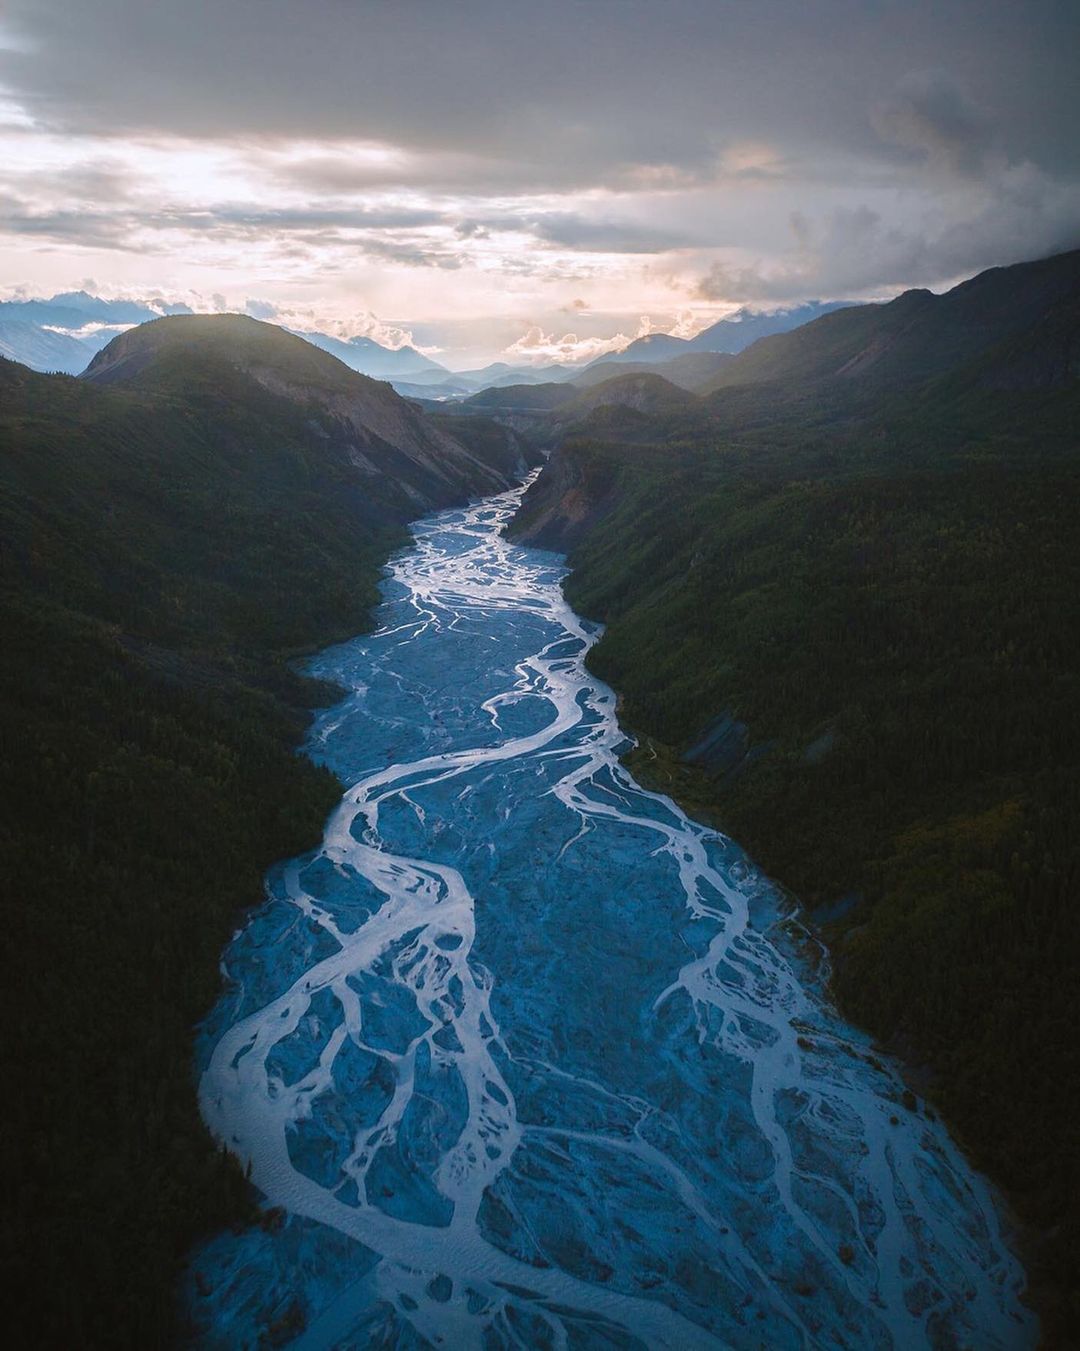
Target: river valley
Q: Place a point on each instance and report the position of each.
(523, 1057)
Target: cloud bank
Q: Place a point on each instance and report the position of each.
(493, 163)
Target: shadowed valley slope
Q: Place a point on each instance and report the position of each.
(217, 496)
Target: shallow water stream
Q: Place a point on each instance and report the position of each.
(529, 1059)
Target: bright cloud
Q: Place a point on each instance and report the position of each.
(538, 348)
(482, 179)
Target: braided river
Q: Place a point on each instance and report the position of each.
(522, 1057)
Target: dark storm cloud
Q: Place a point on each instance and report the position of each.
(561, 90)
(855, 251)
(572, 231)
(931, 115)
(696, 150)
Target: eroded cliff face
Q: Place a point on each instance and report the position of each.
(564, 503)
(387, 433)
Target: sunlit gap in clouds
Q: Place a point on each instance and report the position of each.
(301, 219)
(492, 181)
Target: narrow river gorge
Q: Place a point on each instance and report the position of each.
(523, 1057)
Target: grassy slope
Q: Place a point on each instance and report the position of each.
(159, 561)
(919, 611)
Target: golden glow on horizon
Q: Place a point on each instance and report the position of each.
(528, 188)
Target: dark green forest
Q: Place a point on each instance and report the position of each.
(163, 559)
(847, 630)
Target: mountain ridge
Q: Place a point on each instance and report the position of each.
(62, 333)
(380, 432)
(917, 336)
(728, 336)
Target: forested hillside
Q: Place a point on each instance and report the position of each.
(168, 543)
(847, 627)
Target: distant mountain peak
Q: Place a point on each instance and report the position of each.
(745, 326)
(369, 357)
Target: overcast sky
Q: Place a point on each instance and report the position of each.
(508, 178)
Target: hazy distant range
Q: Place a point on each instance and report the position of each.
(64, 332)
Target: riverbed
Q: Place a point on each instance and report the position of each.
(521, 1056)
